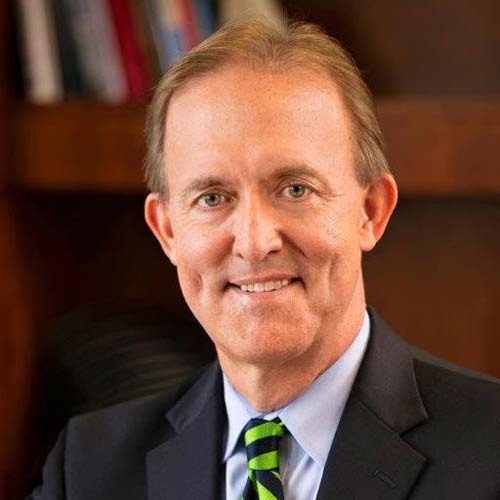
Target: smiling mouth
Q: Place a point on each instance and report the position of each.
(263, 287)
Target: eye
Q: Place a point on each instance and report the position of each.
(210, 200)
(296, 190)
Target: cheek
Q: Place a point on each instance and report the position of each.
(323, 239)
(199, 254)
(193, 243)
(333, 258)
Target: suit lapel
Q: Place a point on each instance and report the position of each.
(188, 464)
(368, 460)
(369, 457)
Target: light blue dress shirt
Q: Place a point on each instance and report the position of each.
(311, 419)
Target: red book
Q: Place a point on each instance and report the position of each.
(133, 59)
(189, 25)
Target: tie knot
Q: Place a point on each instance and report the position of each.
(262, 439)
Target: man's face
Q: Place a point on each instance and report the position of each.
(265, 218)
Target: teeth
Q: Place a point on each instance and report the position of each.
(265, 287)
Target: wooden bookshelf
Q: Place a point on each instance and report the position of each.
(443, 147)
(16, 318)
(436, 146)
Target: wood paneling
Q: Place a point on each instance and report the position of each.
(434, 276)
(425, 48)
(94, 249)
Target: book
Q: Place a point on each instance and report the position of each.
(206, 16)
(106, 53)
(41, 69)
(170, 18)
(87, 45)
(145, 38)
(164, 22)
(188, 24)
(71, 70)
(133, 60)
(153, 16)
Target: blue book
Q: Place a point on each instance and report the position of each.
(167, 34)
(206, 17)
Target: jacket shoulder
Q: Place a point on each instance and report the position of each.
(102, 454)
(116, 422)
(461, 436)
(450, 385)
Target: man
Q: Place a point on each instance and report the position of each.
(268, 182)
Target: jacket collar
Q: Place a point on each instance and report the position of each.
(386, 381)
(189, 463)
(369, 458)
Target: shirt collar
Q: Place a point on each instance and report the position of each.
(313, 417)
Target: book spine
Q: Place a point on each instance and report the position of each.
(152, 14)
(145, 38)
(133, 60)
(206, 15)
(41, 65)
(68, 54)
(168, 38)
(188, 23)
(108, 59)
(173, 25)
(86, 44)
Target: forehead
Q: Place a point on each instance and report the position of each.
(238, 114)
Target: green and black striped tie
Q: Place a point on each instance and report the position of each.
(262, 440)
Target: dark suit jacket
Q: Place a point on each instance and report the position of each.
(412, 428)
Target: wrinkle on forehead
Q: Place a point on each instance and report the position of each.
(226, 114)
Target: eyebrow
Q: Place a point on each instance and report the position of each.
(201, 184)
(298, 171)
(210, 181)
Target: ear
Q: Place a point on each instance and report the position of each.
(379, 202)
(156, 213)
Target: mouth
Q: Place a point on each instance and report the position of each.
(261, 286)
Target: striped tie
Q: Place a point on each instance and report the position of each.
(262, 443)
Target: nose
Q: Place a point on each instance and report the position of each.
(256, 230)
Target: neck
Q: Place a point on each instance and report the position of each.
(270, 387)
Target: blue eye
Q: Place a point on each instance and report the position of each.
(296, 190)
(210, 200)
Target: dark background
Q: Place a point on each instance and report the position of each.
(71, 195)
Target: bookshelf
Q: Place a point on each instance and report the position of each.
(15, 313)
(71, 228)
(85, 146)
(78, 146)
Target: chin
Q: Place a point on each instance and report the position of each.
(261, 357)
(266, 346)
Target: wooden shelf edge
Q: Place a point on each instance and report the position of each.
(435, 146)
(443, 147)
(79, 146)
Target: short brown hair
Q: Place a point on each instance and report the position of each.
(277, 47)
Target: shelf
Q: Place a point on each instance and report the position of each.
(443, 147)
(436, 147)
(79, 146)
